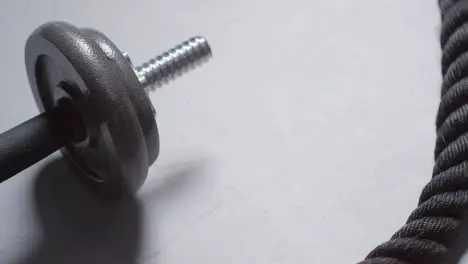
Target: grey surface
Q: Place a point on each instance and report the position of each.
(306, 139)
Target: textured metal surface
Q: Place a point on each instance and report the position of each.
(63, 63)
(140, 101)
(174, 62)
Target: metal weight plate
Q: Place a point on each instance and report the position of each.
(139, 98)
(64, 65)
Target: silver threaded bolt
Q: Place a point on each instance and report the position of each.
(173, 63)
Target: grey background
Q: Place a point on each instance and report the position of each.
(306, 139)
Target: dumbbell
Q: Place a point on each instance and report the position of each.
(94, 105)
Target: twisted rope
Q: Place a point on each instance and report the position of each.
(432, 228)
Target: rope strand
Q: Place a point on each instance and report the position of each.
(433, 227)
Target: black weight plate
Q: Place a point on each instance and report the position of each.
(64, 64)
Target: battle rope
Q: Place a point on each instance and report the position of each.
(432, 229)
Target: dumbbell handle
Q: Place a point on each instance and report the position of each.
(31, 141)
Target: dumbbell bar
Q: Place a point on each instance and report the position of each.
(95, 106)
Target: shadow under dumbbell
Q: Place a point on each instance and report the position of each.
(80, 227)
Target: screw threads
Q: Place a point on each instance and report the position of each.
(173, 63)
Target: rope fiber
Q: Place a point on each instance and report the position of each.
(437, 231)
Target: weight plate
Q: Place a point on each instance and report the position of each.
(63, 64)
(139, 98)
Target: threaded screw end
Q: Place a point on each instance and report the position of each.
(174, 63)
